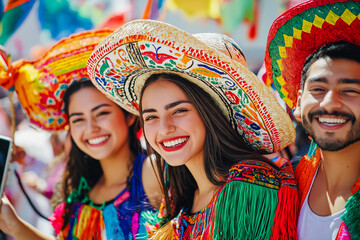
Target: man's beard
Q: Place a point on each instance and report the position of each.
(329, 143)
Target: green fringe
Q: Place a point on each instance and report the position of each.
(351, 216)
(245, 211)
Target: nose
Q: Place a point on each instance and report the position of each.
(166, 126)
(331, 101)
(92, 125)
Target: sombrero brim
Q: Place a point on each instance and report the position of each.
(40, 85)
(299, 32)
(120, 65)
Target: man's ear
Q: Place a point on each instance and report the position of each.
(297, 109)
(130, 119)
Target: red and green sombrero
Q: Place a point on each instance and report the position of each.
(41, 84)
(299, 32)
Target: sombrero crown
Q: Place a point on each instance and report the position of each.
(41, 84)
(120, 65)
(299, 32)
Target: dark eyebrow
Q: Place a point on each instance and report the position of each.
(174, 104)
(316, 79)
(92, 110)
(350, 81)
(167, 107)
(99, 106)
(148, 110)
(341, 81)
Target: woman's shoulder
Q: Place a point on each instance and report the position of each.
(151, 182)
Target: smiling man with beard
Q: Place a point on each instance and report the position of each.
(329, 107)
(313, 58)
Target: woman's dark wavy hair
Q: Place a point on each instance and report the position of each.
(223, 148)
(82, 165)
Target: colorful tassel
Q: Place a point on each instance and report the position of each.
(166, 232)
(305, 172)
(351, 216)
(312, 149)
(56, 219)
(288, 206)
(343, 233)
(91, 220)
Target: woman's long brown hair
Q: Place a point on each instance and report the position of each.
(223, 148)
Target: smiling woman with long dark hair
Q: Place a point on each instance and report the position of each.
(108, 181)
(207, 120)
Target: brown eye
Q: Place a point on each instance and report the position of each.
(180, 110)
(148, 118)
(352, 92)
(103, 113)
(77, 120)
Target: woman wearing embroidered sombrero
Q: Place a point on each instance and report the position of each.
(313, 58)
(108, 180)
(207, 119)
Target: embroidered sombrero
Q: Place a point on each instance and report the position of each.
(122, 62)
(41, 84)
(299, 32)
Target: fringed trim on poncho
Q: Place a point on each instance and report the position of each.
(277, 207)
(245, 211)
(288, 205)
(257, 202)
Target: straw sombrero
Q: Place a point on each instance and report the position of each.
(40, 85)
(299, 32)
(122, 62)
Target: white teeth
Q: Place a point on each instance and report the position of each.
(175, 142)
(332, 120)
(98, 140)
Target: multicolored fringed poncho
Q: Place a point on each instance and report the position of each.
(116, 219)
(256, 202)
(305, 172)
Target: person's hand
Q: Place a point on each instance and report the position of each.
(9, 220)
(11, 224)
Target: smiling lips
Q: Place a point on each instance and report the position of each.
(332, 123)
(98, 140)
(173, 144)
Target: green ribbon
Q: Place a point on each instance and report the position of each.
(75, 196)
